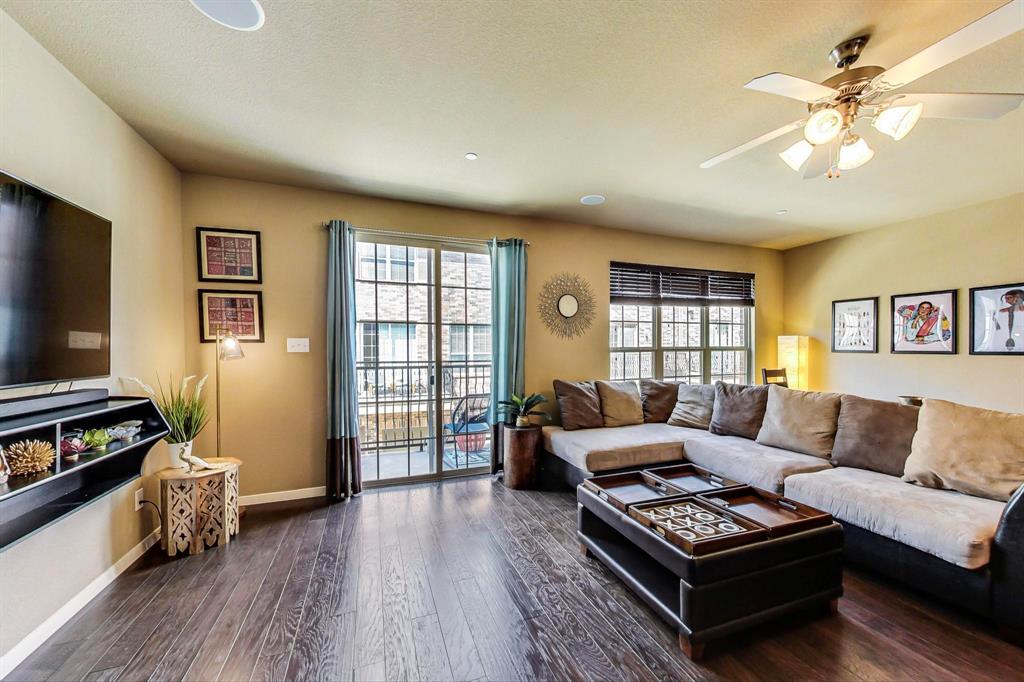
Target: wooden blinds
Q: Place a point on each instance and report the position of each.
(657, 284)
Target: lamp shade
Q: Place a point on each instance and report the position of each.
(228, 347)
(854, 153)
(897, 122)
(793, 356)
(796, 155)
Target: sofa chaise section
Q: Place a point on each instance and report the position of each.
(606, 449)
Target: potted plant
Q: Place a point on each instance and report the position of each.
(185, 412)
(520, 408)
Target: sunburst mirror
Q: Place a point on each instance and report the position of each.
(566, 305)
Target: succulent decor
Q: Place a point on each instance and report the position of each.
(97, 439)
(29, 456)
(71, 447)
(519, 408)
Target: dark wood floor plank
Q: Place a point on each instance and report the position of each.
(468, 580)
(431, 660)
(241, 659)
(272, 663)
(314, 654)
(81, 662)
(185, 648)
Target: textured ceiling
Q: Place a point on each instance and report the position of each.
(559, 99)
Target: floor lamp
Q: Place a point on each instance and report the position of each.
(228, 348)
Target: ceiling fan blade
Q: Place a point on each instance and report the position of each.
(963, 104)
(767, 137)
(818, 162)
(994, 26)
(793, 87)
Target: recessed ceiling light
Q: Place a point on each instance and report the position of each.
(591, 199)
(241, 15)
(471, 156)
(782, 211)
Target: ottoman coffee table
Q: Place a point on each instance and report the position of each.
(710, 556)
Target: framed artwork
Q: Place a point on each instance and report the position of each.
(240, 312)
(855, 325)
(225, 255)
(924, 323)
(997, 320)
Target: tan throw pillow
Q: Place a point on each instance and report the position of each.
(975, 451)
(620, 403)
(739, 410)
(801, 421)
(658, 398)
(694, 404)
(579, 404)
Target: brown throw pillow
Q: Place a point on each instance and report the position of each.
(658, 399)
(874, 435)
(693, 406)
(739, 409)
(579, 404)
(801, 421)
(620, 403)
(975, 451)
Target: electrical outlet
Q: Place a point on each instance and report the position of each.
(138, 500)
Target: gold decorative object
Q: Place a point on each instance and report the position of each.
(566, 305)
(29, 457)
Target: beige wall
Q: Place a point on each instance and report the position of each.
(274, 401)
(974, 246)
(56, 134)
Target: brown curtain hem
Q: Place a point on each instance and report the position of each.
(344, 476)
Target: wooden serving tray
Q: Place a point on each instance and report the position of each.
(692, 478)
(778, 514)
(631, 487)
(697, 526)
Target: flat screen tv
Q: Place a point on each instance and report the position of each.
(54, 288)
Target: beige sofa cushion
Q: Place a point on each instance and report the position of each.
(595, 450)
(955, 527)
(694, 404)
(578, 404)
(658, 399)
(975, 451)
(749, 462)
(620, 403)
(803, 421)
(739, 409)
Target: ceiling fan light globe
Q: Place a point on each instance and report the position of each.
(855, 154)
(823, 126)
(897, 122)
(796, 155)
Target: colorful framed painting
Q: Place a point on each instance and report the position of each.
(997, 320)
(855, 325)
(226, 255)
(240, 312)
(924, 323)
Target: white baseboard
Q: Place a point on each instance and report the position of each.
(20, 651)
(282, 495)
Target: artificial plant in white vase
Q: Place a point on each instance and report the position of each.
(185, 412)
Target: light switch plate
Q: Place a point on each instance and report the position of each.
(298, 345)
(85, 340)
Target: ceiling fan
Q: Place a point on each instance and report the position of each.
(829, 144)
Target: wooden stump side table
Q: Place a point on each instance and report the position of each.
(198, 509)
(520, 448)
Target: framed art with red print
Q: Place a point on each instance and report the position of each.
(240, 312)
(228, 255)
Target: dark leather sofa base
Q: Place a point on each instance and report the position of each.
(713, 596)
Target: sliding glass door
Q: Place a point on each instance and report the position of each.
(419, 417)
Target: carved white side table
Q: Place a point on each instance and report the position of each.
(199, 509)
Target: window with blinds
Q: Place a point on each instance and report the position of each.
(680, 324)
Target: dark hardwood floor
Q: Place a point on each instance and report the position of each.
(466, 580)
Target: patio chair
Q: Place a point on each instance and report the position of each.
(469, 425)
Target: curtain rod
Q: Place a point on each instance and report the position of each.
(424, 237)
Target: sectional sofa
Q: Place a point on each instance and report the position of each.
(932, 498)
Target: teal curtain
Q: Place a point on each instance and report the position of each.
(344, 477)
(508, 329)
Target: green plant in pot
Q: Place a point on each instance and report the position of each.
(185, 411)
(519, 408)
